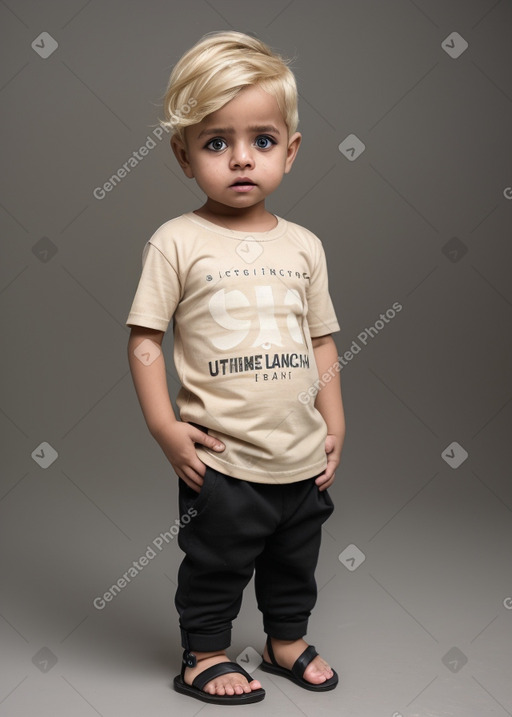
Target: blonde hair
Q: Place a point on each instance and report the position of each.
(214, 71)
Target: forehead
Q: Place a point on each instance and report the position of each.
(251, 106)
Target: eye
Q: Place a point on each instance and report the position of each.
(264, 142)
(216, 144)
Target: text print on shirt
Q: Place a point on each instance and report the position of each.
(223, 302)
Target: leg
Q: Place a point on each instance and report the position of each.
(285, 571)
(221, 540)
(285, 583)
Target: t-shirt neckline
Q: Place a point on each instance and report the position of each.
(268, 235)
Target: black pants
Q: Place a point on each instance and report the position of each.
(240, 528)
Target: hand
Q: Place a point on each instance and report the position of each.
(333, 445)
(177, 442)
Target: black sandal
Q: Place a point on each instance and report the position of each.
(222, 668)
(296, 674)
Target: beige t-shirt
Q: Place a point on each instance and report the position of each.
(244, 308)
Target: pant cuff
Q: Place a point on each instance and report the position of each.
(205, 643)
(285, 630)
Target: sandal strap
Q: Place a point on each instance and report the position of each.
(303, 661)
(188, 660)
(300, 664)
(221, 668)
(271, 651)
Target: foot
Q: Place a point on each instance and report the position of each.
(287, 651)
(233, 683)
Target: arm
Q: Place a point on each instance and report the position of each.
(329, 403)
(176, 438)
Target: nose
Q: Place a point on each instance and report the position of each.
(241, 156)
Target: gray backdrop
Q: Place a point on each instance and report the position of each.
(415, 601)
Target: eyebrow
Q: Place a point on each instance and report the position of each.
(230, 130)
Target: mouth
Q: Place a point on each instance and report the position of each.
(243, 182)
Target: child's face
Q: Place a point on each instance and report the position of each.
(239, 154)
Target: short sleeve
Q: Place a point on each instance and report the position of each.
(322, 318)
(158, 291)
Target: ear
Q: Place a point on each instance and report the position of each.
(180, 152)
(291, 153)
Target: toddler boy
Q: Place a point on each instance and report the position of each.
(254, 448)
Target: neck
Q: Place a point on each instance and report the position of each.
(254, 218)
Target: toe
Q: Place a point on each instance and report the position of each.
(313, 677)
(317, 672)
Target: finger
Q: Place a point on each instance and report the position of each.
(326, 479)
(196, 470)
(326, 484)
(320, 480)
(329, 469)
(192, 473)
(192, 480)
(329, 446)
(208, 441)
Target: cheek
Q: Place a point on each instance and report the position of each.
(277, 163)
(204, 169)
(211, 173)
(208, 176)
(274, 170)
